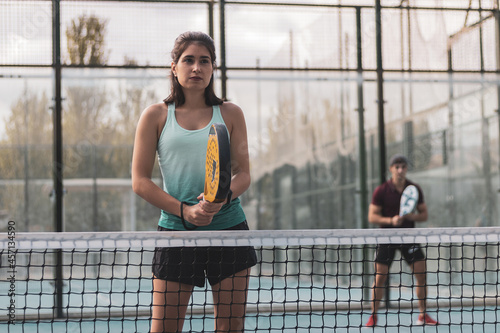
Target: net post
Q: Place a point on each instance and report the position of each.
(58, 285)
(57, 158)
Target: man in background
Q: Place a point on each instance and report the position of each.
(384, 211)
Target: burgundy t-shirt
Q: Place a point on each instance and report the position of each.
(387, 197)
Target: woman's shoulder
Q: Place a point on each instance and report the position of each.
(154, 116)
(233, 116)
(230, 107)
(155, 109)
(231, 111)
(155, 112)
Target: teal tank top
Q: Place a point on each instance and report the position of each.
(181, 156)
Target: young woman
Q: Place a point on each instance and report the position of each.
(178, 130)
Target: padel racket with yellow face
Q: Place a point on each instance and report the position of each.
(409, 200)
(218, 164)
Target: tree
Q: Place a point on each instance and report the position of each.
(29, 124)
(26, 155)
(86, 124)
(100, 142)
(84, 120)
(86, 41)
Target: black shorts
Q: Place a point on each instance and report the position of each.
(192, 265)
(410, 252)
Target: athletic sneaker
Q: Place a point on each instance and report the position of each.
(425, 319)
(372, 321)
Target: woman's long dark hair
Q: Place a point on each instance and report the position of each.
(181, 44)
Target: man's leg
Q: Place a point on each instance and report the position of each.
(381, 271)
(383, 260)
(419, 270)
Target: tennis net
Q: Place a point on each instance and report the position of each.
(304, 280)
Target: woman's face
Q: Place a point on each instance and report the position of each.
(194, 68)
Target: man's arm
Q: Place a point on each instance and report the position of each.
(420, 216)
(375, 216)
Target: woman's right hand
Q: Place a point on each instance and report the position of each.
(196, 215)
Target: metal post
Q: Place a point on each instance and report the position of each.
(402, 86)
(95, 191)
(410, 84)
(450, 200)
(57, 153)
(363, 202)
(380, 93)
(497, 20)
(211, 18)
(222, 67)
(26, 168)
(485, 137)
(341, 156)
(259, 147)
(380, 101)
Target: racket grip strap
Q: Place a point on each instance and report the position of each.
(229, 197)
(182, 217)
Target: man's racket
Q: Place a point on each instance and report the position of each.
(409, 200)
(218, 164)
